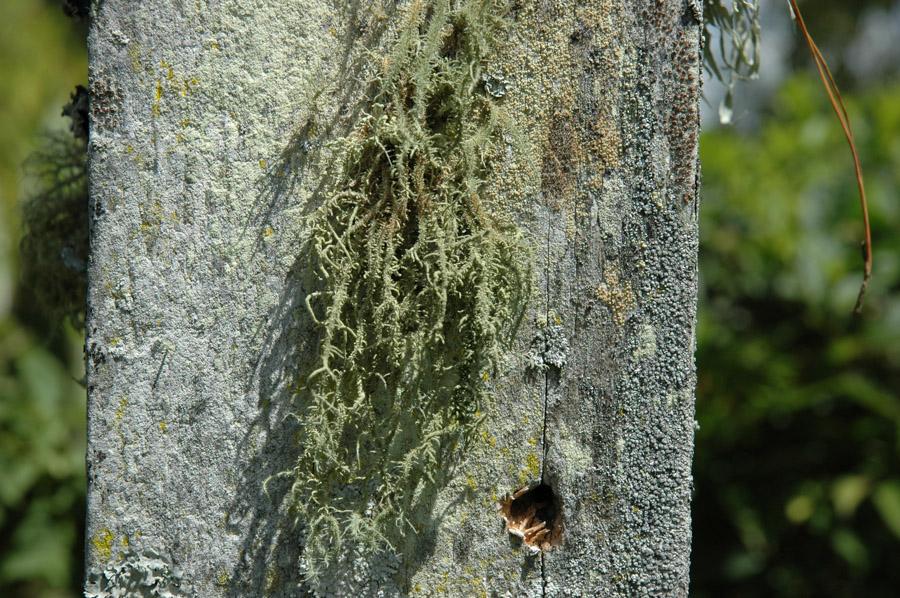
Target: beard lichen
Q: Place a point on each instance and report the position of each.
(417, 287)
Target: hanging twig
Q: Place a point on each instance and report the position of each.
(837, 103)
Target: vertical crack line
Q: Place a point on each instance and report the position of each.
(546, 375)
(575, 286)
(543, 577)
(546, 381)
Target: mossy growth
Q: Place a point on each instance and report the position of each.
(417, 287)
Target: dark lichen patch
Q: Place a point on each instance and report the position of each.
(562, 157)
(534, 514)
(105, 102)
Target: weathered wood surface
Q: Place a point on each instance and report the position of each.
(203, 164)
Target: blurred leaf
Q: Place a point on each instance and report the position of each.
(800, 508)
(43, 543)
(847, 492)
(743, 565)
(887, 500)
(41, 463)
(850, 547)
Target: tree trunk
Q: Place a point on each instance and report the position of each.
(210, 122)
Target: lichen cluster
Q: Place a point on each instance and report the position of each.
(145, 574)
(417, 287)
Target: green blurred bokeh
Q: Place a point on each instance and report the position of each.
(797, 461)
(42, 406)
(797, 464)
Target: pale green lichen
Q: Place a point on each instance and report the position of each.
(145, 574)
(416, 288)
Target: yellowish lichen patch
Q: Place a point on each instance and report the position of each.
(120, 410)
(188, 86)
(617, 295)
(102, 541)
(167, 68)
(222, 578)
(134, 54)
(532, 468)
(607, 142)
(272, 580)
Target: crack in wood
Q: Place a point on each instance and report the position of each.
(546, 390)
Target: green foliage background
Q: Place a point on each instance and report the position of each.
(42, 406)
(798, 454)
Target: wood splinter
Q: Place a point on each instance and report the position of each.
(533, 514)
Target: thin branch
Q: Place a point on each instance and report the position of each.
(837, 103)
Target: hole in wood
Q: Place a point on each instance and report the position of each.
(534, 514)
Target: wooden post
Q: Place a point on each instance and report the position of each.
(210, 121)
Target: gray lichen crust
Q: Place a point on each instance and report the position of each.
(212, 132)
(137, 575)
